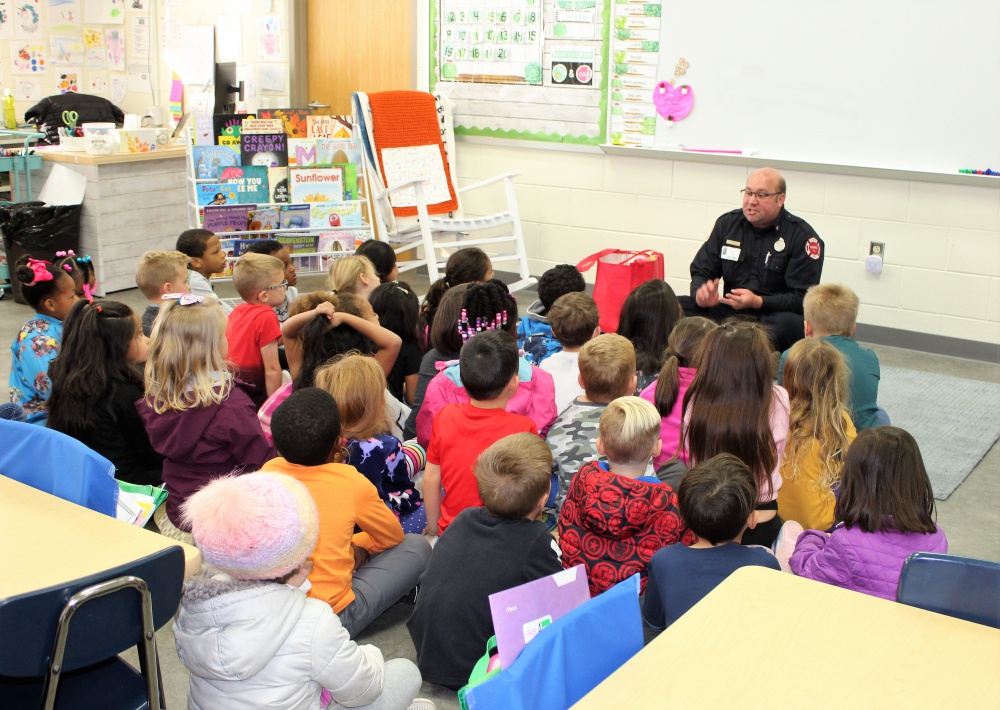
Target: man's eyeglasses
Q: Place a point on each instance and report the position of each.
(283, 284)
(759, 195)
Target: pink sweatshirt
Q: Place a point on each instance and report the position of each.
(670, 425)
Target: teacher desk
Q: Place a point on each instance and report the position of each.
(767, 639)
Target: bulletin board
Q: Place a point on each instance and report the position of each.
(902, 84)
(523, 69)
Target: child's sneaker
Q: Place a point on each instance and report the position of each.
(421, 704)
(784, 544)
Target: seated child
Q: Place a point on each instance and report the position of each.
(383, 258)
(205, 257)
(607, 372)
(465, 266)
(160, 272)
(363, 563)
(81, 269)
(460, 432)
(885, 512)
(677, 374)
(574, 321)
(397, 307)
(489, 307)
(49, 290)
(648, 316)
(487, 549)
(252, 330)
(353, 274)
(831, 314)
(615, 517)
(272, 247)
(534, 330)
(245, 629)
(819, 433)
(717, 500)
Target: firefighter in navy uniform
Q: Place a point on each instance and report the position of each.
(766, 258)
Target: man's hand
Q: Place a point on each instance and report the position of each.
(740, 298)
(707, 294)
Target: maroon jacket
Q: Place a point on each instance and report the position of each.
(613, 524)
(204, 443)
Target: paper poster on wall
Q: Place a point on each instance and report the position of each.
(271, 77)
(137, 5)
(228, 38)
(69, 83)
(27, 89)
(93, 43)
(139, 46)
(501, 45)
(574, 19)
(138, 77)
(194, 61)
(6, 19)
(269, 38)
(64, 15)
(572, 66)
(27, 58)
(114, 44)
(97, 83)
(104, 12)
(27, 19)
(119, 88)
(65, 51)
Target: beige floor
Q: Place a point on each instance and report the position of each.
(970, 517)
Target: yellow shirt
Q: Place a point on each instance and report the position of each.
(801, 498)
(344, 498)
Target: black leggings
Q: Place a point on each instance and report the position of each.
(765, 533)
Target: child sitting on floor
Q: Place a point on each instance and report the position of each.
(49, 290)
(159, 273)
(648, 316)
(535, 329)
(486, 549)
(885, 513)
(205, 257)
(574, 322)
(363, 563)
(717, 500)
(615, 517)
(272, 247)
(397, 308)
(81, 269)
(245, 630)
(465, 266)
(353, 274)
(383, 258)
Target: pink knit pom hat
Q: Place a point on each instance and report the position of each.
(254, 526)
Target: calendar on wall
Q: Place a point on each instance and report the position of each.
(491, 41)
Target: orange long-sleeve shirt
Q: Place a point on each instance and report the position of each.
(344, 498)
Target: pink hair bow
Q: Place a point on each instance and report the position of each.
(65, 253)
(41, 271)
(89, 292)
(185, 299)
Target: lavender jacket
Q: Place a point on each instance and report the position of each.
(865, 562)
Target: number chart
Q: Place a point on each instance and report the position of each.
(491, 41)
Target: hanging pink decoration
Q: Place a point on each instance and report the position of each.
(673, 102)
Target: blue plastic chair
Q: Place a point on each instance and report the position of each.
(962, 587)
(59, 646)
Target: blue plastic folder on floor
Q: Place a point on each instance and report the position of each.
(568, 658)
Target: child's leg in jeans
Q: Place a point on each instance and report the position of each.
(383, 580)
(400, 686)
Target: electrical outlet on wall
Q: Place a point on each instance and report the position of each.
(876, 255)
(877, 249)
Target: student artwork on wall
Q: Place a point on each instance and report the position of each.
(65, 51)
(64, 15)
(27, 19)
(27, 90)
(6, 19)
(93, 43)
(491, 42)
(69, 83)
(27, 58)
(119, 87)
(114, 44)
(104, 12)
(269, 38)
(97, 83)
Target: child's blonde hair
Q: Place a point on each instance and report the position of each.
(607, 366)
(831, 309)
(816, 380)
(513, 474)
(357, 383)
(629, 429)
(345, 272)
(254, 273)
(159, 267)
(187, 366)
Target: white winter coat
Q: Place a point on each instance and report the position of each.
(266, 645)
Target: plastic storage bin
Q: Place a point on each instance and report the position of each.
(100, 138)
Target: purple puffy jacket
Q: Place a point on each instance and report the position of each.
(865, 562)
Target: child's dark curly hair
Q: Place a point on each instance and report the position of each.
(464, 266)
(486, 306)
(33, 290)
(558, 281)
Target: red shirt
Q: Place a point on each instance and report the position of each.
(459, 434)
(249, 328)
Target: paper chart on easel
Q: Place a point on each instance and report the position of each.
(493, 43)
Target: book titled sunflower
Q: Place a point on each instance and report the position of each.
(316, 184)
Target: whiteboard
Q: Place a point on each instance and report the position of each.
(906, 84)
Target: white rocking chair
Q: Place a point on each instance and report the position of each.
(406, 202)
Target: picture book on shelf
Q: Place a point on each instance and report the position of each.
(203, 130)
(209, 160)
(323, 215)
(320, 126)
(227, 218)
(336, 151)
(267, 149)
(228, 126)
(217, 193)
(299, 243)
(261, 125)
(267, 218)
(293, 118)
(277, 184)
(295, 217)
(251, 182)
(301, 152)
(316, 184)
(229, 249)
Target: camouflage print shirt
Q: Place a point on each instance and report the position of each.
(573, 440)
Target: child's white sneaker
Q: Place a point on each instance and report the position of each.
(784, 544)
(421, 704)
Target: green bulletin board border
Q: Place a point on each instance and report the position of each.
(599, 139)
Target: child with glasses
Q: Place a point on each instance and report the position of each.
(253, 330)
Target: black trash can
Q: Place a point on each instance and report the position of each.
(38, 230)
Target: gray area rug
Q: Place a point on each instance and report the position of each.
(954, 421)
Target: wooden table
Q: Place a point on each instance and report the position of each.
(765, 639)
(46, 541)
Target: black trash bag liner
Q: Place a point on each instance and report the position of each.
(38, 230)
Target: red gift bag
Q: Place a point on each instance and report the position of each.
(618, 273)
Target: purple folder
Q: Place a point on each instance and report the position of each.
(519, 613)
